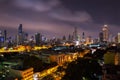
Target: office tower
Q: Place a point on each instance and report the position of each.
(26, 36)
(118, 37)
(101, 37)
(5, 35)
(70, 37)
(1, 39)
(37, 38)
(20, 29)
(64, 38)
(105, 33)
(83, 38)
(20, 35)
(83, 35)
(75, 34)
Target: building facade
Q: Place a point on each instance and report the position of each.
(105, 32)
(118, 38)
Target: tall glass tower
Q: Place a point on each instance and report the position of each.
(105, 31)
(20, 29)
(20, 35)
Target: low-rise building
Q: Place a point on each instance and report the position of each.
(23, 74)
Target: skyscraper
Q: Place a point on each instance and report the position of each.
(75, 34)
(118, 37)
(101, 37)
(20, 29)
(83, 38)
(5, 35)
(105, 33)
(20, 35)
(37, 38)
(1, 39)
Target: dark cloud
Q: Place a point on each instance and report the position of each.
(37, 5)
(56, 17)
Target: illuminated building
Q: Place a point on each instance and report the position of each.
(24, 74)
(89, 40)
(20, 35)
(83, 38)
(105, 33)
(75, 34)
(1, 39)
(117, 58)
(111, 72)
(118, 38)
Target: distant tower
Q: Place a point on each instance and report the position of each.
(1, 39)
(118, 38)
(64, 38)
(75, 34)
(20, 35)
(101, 37)
(83, 37)
(105, 33)
(26, 36)
(37, 39)
(20, 29)
(5, 35)
(70, 37)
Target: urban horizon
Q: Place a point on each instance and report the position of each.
(15, 32)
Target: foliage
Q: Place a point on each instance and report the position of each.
(82, 68)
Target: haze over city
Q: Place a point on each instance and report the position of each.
(59, 17)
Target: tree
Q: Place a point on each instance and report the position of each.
(82, 68)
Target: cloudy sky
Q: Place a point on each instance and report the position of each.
(59, 17)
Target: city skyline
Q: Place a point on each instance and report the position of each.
(59, 17)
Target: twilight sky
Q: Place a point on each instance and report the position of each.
(59, 17)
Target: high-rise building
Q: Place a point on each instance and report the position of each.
(101, 37)
(83, 38)
(1, 39)
(75, 34)
(5, 35)
(37, 38)
(118, 37)
(26, 36)
(70, 37)
(20, 29)
(105, 33)
(20, 35)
